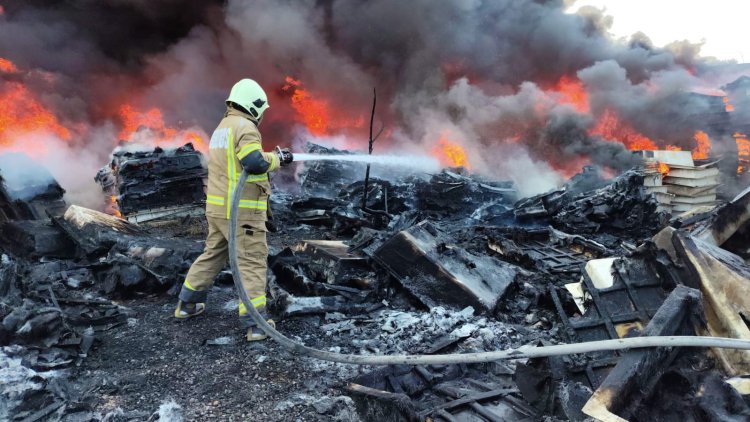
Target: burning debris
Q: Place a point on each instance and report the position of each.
(454, 267)
(486, 252)
(147, 185)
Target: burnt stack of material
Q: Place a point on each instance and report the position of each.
(149, 185)
(623, 206)
(27, 190)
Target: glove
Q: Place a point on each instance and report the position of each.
(285, 156)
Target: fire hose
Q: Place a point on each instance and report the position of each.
(445, 359)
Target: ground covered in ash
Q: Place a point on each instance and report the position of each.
(205, 368)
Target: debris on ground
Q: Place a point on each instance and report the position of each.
(432, 263)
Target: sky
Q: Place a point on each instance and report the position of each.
(720, 24)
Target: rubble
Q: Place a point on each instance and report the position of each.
(437, 272)
(27, 190)
(442, 263)
(36, 239)
(728, 223)
(723, 278)
(148, 185)
(622, 207)
(637, 370)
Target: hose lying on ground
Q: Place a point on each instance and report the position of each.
(521, 352)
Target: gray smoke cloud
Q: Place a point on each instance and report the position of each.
(479, 73)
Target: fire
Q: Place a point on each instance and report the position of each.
(22, 114)
(152, 120)
(573, 92)
(743, 151)
(317, 114)
(663, 168)
(673, 148)
(7, 66)
(727, 106)
(451, 154)
(113, 207)
(611, 128)
(703, 146)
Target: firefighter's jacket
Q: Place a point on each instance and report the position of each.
(235, 138)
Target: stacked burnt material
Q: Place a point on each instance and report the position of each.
(149, 185)
(29, 196)
(623, 206)
(677, 183)
(27, 190)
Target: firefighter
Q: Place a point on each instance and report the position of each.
(234, 145)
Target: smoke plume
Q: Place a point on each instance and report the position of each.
(519, 85)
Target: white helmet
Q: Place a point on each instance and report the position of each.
(249, 95)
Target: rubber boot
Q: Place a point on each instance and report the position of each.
(186, 310)
(255, 333)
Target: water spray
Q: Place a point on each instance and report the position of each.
(418, 162)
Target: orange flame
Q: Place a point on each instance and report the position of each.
(316, 114)
(663, 168)
(134, 121)
(610, 127)
(113, 207)
(21, 114)
(702, 147)
(451, 154)
(673, 148)
(7, 66)
(743, 151)
(727, 106)
(574, 93)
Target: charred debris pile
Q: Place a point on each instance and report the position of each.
(439, 263)
(148, 185)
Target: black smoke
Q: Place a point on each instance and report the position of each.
(478, 70)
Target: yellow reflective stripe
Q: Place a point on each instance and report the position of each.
(230, 171)
(257, 303)
(247, 149)
(214, 200)
(190, 287)
(254, 177)
(257, 205)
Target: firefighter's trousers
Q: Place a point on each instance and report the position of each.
(252, 255)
